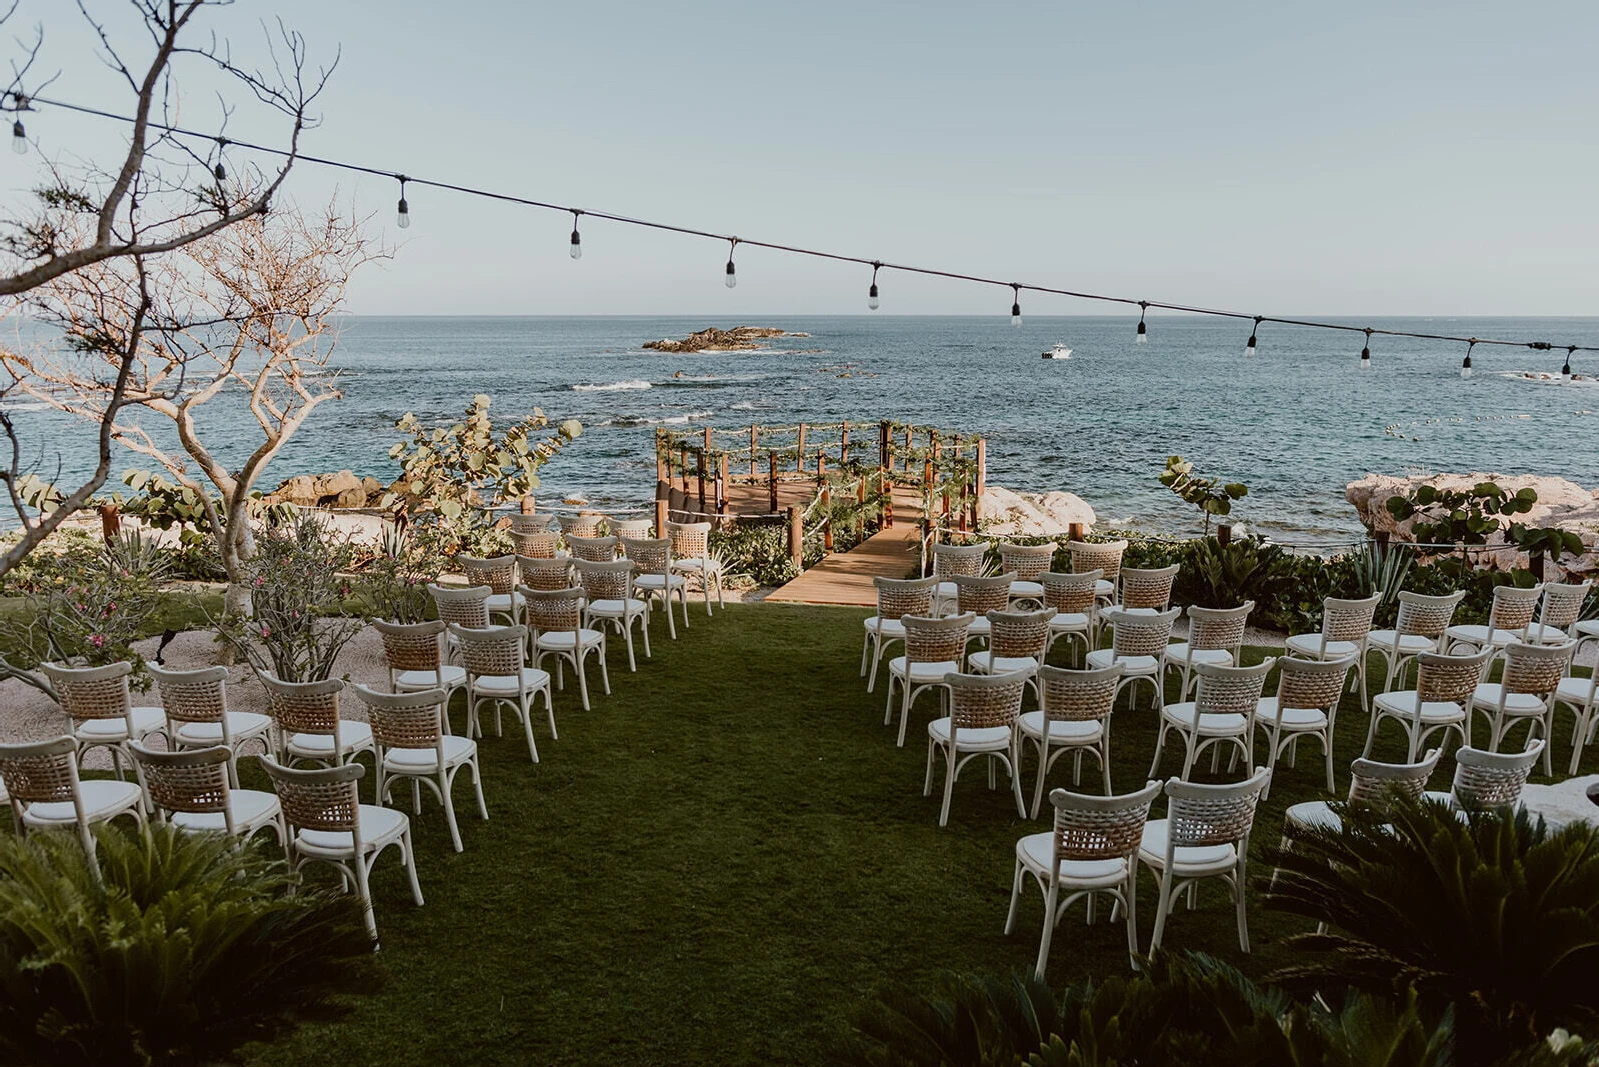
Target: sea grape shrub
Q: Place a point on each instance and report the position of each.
(1459, 516)
(1209, 495)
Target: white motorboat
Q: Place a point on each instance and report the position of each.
(1060, 351)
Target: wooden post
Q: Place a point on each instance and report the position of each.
(700, 473)
(821, 469)
(755, 443)
(721, 484)
(663, 470)
(843, 445)
(110, 523)
(966, 484)
(827, 505)
(707, 438)
(888, 504)
(907, 463)
(796, 536)
(884, 457)
(1074, 531)
(528, 505)
(799, 450)
(660, 515)
(682, 468)
(771, 479)
(982, 466)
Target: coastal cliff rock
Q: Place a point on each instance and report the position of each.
(341, 489)
(738, 339)
(1561, 503)
(1005, 513)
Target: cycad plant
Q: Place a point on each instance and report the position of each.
(188, 949)
(1496, 916)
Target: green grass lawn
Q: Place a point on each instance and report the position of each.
(719, 861)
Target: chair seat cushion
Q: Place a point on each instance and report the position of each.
(102, 798)
(978, 627)
(923, 673)
(1574, 690)
(1548, 635)
(946, 590)
(566, 640)
(1062, 731)
(448, 676)
(1177, 652)
(1588, 627)
(1104, 657)
(1313, 814)
(1486, 697)
(145, 721)
(656, 582)
(1409, 645)
(1186, 716)
(379, 826)
(1478, 635)
(352, 736)
(979, 739)
(425, 760)
(614, 609)
(251, 808)
(1310, 645)
(497, 684)
(241, 724)
(1020, 589)
(1188, 860)
(1267, 712)
(503, 601)
(988, 663)
(1037, 853)
(1103, 587)
(1069, 622)
(694, 565)
(1403, 704)
(887, 629)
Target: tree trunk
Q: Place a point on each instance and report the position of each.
(236, 546)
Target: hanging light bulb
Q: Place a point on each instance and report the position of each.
(577, 238)
(1249, 345)
(1465, 364)
(1142, 336)
(1565, 371)
(1016, 305)
(402, 216)
(19, 138)
(732, 271)
(871, 294)
(1365, 353)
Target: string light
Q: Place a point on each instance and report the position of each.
(577, 238)
(19, 138)
(1365, 353)
(1565, 371)
(1249, 345)
(1465, 364)
(1016, 304)
(732, 271)
(219, 170)
(871, 294)
(403, 212)
(1142, 336)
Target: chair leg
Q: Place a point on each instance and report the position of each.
(477, 786)
(582, 679)
(525, 702)
(1243, 915)
(1049, 928)
(605, 672)
(364, 894)
(1015, 897)
(1016, 778)
(866, 651)
(644, 631)
(949, 781)
(445, 784)
(1162, 908)
(1043, 767)
(927, 784)
(408, 853)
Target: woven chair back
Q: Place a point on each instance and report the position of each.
(1014, 634)
(406, 720)
(592, 549)
(1513, 608)
(1230, 690)
(897, 597)
(982, 595)
(89, 693)
(192, 696)
(413, 646)
(193, 780)
(1312, 684)
(1027, 562)
(324, 799)
(1348, 620)
(536, 544)
(1098, 555)
(1070, 594)
(1079, 696)
(583, 524)
(535, 523)
(1100, 828)
(1199, 814)
(1562, 603)
(499, 573)
(950, 560)
(1140, 635)
(633, 529)
(651, 555)
(1377, 785)
(496, 652)
(1215, 629)
(304, 707)
(1445, 679)
(1535, 669)
(612, 580)
(552, 610)
(1149, 588)
(465, 607)
(942, 640)
(981, 701)
(1486, 780)
(41, 772)
(690, 540)
(547, 574)
(1426, 616)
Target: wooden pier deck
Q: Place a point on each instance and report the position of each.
(846, 577)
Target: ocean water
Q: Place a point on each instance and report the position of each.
(1295, 423)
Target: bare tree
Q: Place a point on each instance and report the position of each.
(244, 317)
(161, 196)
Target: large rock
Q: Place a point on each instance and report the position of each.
(1561, 503)
(1004, 513)
(738, 339)
(300, 491)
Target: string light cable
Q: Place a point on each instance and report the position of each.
(16, 102)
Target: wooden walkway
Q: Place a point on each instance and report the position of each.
(846, 577)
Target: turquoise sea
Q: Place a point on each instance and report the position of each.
(1296, 423)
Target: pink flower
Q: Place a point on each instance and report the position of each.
(266, 631)
(97, 640)
(259, 582)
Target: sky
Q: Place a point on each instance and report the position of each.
(1363, 159)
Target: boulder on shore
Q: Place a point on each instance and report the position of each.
(1005, 513)
(738, 339)
(341, 489)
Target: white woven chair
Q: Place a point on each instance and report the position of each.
(414, 653)
(592, 549)
(100, 705)
(653, 578)
(691, 557)
(950, 560)
(1017, 641)
(583, 524)
(1147, 589)
(196, 703)
(309, 725)
(983, 709)
(47, 794)
(1345, 628)
(557, 619)
(534, 537)
(1490, 781)
(1422, 623)
(547, 575)
(896, 598)
(1076, 606)
(1222, 712)
(464, 607)
(1103, 556)
(329, 824)
(1205, 835)
(1026, 562)
(1074, 716)
(1137, 642)
(630, 529)
(497, 673)
(1524, 693)
(977, 596)
(608, 590)
(1509, 616)
(192, 790)
(1559, 619)
(1305, 705)
(1372, 785)
(412, 743)
(1215, 636)
(1581, 695)
(1444, 688)
(933, 649)
(1091, 850)
(499, 574)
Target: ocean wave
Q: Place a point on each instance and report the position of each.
(608, 387)
(645, 420)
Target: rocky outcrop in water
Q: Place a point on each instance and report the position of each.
(339, 490)
(1004, 513)
(738, 339)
